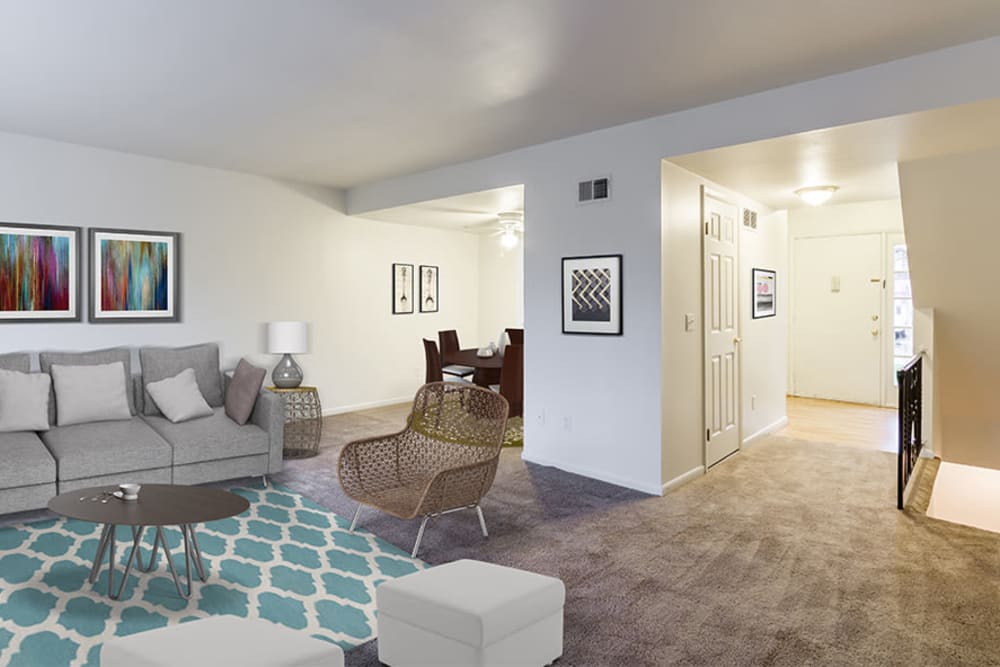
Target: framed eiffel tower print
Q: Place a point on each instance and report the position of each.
(592, 295)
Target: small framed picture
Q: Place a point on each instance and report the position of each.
(402, 289)
(39, 273)
(429, 291)
(592, 295)
(764, 297)
(134, 276)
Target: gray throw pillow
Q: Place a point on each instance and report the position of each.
(179, 398)
(90, 393)
(160, 363)
(92, 358)
(24, 401)
(16, 361)
(243, 389)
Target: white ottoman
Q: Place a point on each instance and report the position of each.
(221, 640)
(472, 614)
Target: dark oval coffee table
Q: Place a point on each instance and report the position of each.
(158, 505)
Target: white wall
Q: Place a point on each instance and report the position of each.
(765, 340)
(253, 250)
(593, 404)
(501, 288)
(952, 233)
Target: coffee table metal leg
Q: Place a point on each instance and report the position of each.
(170, 564)
(156, 551)
(138, 557)
(111, 560)
(196, 555)
(99, 557)
(136, 538)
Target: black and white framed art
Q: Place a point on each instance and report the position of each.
(402, 289)
(764, 297)
(429, 290)
(592, 295)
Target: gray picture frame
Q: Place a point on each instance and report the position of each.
(97, 315)
(75, 312)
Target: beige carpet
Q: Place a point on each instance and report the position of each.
(789, 553)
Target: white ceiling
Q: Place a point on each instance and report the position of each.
(860, 159)
(474, 212)
(341, 93)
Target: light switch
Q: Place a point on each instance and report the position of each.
(689, 322)
(835, 283)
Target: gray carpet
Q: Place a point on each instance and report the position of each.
(789, 553)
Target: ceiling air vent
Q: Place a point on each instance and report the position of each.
(598, 189)
(750, 219)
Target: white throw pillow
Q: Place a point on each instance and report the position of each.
(24, 401)
(90, 393)
(179, 398)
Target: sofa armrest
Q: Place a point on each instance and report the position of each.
(269, 414)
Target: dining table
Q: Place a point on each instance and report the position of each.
(487, 368)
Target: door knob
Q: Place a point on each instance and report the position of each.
(874, 318)
(874, 332)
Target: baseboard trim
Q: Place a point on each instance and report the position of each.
(767, 430)
(594, 474)
(341, 409)
(681, 480)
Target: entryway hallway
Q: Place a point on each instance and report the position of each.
(850, 424)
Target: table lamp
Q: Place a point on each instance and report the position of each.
(286, 339)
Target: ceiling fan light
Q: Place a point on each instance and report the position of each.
(508, 239)
(817, 194)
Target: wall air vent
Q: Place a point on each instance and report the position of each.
(750, 219)
(597, 189)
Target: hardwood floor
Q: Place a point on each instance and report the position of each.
(862, 426)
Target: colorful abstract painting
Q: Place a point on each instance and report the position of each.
(38, 272)
(133, 275)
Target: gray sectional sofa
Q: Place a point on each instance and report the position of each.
(147, 448)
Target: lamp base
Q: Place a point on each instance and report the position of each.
(287, 374)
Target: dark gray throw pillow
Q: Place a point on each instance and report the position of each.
(243, 390)
(160, 363)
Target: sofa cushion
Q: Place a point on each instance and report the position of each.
(242, 393)
(90, 393)
(16, 361)
(106, 448)
(24, 460)
(93, 358)
(178, 398)
(160, 363)
(24, 401)
(210, 438)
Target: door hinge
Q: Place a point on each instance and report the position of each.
(706, 229)
(708, 435)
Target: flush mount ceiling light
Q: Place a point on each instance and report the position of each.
(817, 194)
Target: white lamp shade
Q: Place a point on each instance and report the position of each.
(287, 337)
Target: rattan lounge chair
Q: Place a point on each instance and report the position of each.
(444, 460)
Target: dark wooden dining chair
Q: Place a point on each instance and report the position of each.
(448, 340)
(516, 336)
(434, 371)
(511, 384)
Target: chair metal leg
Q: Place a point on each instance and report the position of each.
(482, 520)
(357, 513)
(420, 536)
(263, 481)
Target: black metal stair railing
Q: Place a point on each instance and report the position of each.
(910, 381)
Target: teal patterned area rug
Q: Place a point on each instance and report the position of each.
(286, 560)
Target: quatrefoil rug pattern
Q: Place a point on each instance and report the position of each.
(286, 560)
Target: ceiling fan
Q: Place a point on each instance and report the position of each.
(509, 225)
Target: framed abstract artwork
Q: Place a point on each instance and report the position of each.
(402, 289)
(764, 298)
(429, 291)
(134, 276)
(592, 295)
(39, 273)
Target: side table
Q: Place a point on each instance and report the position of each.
(303, 421)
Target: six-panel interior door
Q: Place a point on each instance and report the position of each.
(720, 299)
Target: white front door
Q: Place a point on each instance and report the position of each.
(837, 318)
(720, 299)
